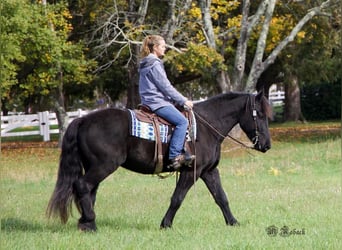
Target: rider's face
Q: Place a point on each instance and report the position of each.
(159, 49)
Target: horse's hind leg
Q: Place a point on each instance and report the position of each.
(213, 181)
(85, 205)
(93, 194)
(85, 190)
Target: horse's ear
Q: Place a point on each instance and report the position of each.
(266, 107)
(260, 95)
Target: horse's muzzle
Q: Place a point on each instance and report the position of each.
(262, 148)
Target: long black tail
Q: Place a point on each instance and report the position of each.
(70, 169)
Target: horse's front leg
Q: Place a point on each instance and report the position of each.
(185, 182)
(213, 181)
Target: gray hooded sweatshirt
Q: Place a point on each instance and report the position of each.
(155, 89)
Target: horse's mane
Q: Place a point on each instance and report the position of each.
(265, 105)
(224, 96)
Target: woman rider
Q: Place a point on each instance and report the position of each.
(160, 96)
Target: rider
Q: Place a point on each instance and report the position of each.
(159, 95)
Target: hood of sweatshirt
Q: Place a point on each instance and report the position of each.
(148, 61)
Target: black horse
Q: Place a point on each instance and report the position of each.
(95, 145)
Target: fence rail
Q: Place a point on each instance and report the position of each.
(40, 123)
(276, 97)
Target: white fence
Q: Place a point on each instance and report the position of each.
(276, 97)
(42, 120)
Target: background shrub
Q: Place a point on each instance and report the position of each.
(321, 101)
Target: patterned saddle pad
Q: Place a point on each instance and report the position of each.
(145, 130)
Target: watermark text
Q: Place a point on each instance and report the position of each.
(283, 231)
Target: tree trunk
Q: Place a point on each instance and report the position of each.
(61, 115)
(258, 66)
(63, 121)
(133, 98)
(3, 107)
(176, 12)
(293, 111)
(222, 77)
(241, 50)
(223, 81)
(247, 26)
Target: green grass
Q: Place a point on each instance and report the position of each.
(29, 138)
(297, 185)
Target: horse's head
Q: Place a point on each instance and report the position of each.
(254, 121)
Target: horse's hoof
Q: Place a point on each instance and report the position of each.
(234, 223)
(165, 225)
(87, 227)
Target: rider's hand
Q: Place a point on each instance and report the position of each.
(188, 104)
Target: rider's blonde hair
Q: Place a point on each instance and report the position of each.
(148, 44)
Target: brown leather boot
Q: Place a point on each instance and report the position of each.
(182, 159)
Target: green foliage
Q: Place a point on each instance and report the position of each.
(44, 59)
(321, 101)
(12, 20)
(317, 57)
(196, 59)
(41, 46)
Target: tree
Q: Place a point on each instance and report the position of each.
(217, 45)
(120, 33)
(12, 21)
(49, 63)
(262, 58)
(222, 77)
(311, 59)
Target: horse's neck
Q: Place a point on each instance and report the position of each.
(223, 115)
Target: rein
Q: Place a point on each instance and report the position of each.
(219, 133)
(255, 140)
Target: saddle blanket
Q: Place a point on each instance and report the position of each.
(145, 130)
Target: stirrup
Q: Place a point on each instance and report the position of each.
(189, 158)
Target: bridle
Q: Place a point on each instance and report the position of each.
(255, 139)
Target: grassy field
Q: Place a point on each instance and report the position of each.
(294, 189)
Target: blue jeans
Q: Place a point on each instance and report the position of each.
(175, 117)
